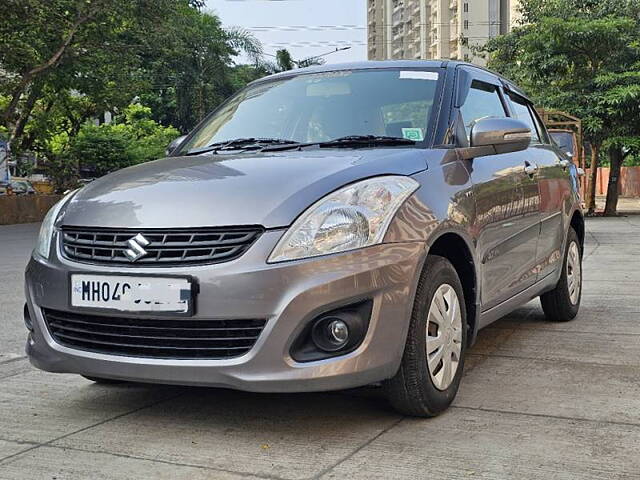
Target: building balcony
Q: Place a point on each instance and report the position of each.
(454, 31)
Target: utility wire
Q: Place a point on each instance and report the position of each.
(321, 28)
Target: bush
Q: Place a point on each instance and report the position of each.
(131, 139)
(101, 149)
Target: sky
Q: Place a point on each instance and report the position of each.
(304, 27)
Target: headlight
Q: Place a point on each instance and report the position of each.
(46, 229)
(355, 216)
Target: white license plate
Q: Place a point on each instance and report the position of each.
(130, 293)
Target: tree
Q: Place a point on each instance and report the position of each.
(194, 72)
(112, 51)
(73, 38)
(65, 62)
(572, 55)
(620, 102)
(284, 60)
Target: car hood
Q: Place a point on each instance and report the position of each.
(268, 189)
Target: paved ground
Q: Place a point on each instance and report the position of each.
(625, 205)
(538, 401)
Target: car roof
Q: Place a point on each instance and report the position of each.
(372, 64)
(381, 64)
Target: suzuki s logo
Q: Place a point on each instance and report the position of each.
(136, 247)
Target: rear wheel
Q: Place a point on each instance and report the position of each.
(431, 368)
(563, 302)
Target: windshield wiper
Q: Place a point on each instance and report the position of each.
(348, 141)
(366, 140)
(249, 143)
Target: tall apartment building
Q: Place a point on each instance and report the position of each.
(422, 29)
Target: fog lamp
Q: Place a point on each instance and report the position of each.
(330, 334)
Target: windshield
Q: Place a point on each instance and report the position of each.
(326, 106)
(564, 140)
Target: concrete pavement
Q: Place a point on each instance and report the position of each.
(539, 401)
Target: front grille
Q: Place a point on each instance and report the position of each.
(164, 247)
(154, 338)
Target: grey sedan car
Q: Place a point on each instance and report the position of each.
(323, 229)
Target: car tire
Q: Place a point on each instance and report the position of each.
(563, 302)
(418, 388)
(103, 381)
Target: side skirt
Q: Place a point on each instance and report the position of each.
(541, 286)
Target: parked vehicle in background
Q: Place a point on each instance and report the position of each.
(19, 186)
(22, 186)
(565, 140)
(325, 228)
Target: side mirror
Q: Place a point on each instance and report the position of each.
(174, 145)
(491, 136)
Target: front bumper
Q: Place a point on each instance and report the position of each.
(288, 295)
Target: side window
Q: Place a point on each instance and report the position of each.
(521, 111)
(482, 101)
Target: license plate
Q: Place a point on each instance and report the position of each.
(131, 293)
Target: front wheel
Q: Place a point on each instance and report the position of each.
(433, 359)
(563, 302)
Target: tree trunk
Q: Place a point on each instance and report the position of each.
(25, 112)
(615, 158)
(28, 141)
(591, 193)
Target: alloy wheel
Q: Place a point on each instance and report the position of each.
(444, 336)
(574, 273)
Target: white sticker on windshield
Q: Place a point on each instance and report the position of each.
(418, 75)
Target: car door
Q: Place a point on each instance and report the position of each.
(507, 201)
(553, 184)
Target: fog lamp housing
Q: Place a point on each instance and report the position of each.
(336, 332)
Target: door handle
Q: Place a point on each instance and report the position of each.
(530, 168)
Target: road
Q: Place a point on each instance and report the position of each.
(538, 401)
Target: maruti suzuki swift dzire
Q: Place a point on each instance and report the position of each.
(323, 229)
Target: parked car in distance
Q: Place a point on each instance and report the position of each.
(325, 228)
(565, 140)
(19, 186)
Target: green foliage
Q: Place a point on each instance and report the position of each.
(62, 172)
(284, 60)
(565, 63)
(99, 149)
(64, 62)
(148, 139)
(192, 72)
(581, 57)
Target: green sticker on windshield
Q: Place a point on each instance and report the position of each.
(415, 134)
